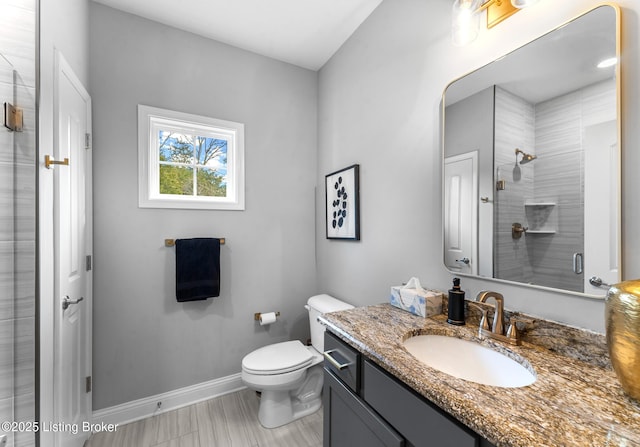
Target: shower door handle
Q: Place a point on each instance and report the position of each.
(577, 263)
(66, 302)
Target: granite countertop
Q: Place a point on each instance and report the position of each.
(576, 400)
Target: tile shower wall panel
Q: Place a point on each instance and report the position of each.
(558, 174)
(17, 218)
(17, 39)
(514, 128)
(553, 130)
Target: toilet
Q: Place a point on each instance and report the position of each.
(289, 374)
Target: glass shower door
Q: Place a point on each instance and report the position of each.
(17, 262)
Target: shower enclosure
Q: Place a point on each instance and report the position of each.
(18, 315)
(540, 185)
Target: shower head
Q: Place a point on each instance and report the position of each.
(526, 158)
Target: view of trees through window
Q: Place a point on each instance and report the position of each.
(192, 165)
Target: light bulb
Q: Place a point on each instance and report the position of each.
(465, 22)
(523, 3)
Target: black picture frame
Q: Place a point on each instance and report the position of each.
(342, 203)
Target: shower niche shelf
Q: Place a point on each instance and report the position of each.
(542, 217)
(540, 204)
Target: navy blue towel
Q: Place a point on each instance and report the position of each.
(197, 269)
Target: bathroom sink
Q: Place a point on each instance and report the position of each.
(469, 360)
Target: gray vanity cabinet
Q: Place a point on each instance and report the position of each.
(349, 422)
(373, 408)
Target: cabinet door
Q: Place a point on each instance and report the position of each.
(419, 421)
(349, 422)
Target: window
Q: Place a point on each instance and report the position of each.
(189, 161)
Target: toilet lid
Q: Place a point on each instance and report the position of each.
(278, 358)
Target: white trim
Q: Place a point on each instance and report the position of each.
(150, 120)
(473, 156)
(148, 406)
(48, 297)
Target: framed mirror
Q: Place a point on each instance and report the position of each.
(531, 149)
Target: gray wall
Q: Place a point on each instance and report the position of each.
(380, 106)
(145, 342)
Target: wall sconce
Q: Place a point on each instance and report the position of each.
(466, 16)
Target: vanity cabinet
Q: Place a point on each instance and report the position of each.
(349, 422)
(382, 411)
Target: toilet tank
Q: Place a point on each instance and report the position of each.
(317, 305)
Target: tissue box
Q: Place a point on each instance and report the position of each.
(413, 298)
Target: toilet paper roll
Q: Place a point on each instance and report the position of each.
(267, 318)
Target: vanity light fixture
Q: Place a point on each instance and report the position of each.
(465, 21)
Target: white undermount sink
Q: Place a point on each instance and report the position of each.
(469, 360)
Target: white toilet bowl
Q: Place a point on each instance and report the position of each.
(289, 374)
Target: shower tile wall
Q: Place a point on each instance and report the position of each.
(17, 218)
(559, 176)
(514, 128)
(553, 130)
(559, 179)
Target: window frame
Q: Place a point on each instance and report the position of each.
(153, 119)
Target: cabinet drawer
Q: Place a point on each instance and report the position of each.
(342, 360)
(419, 421)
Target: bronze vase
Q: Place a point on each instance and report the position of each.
(622, 318)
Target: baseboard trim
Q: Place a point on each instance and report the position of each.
(148, 406)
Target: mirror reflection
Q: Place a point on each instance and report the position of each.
(531, 161)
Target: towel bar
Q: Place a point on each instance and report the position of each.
(172, 242)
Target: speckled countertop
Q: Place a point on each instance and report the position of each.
(575, 401)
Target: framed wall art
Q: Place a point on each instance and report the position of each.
(342, 190)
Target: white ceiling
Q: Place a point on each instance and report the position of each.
(302, 32)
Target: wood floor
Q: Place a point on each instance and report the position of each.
(226, 421)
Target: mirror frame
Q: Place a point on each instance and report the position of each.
(617, 70)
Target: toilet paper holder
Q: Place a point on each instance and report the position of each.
(256, 316)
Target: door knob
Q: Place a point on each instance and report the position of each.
(598, 282)
(464, 261)
(66, 302)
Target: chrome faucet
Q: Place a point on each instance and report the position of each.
(496, 331)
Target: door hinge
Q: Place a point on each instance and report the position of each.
(88, 263)
(87, 141)
(87, 384)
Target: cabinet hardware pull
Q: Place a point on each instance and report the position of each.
(334, 362)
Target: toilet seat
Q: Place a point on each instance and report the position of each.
(278, 358)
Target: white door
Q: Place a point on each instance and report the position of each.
(461, 213)
(601, 205)
(72, 246)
